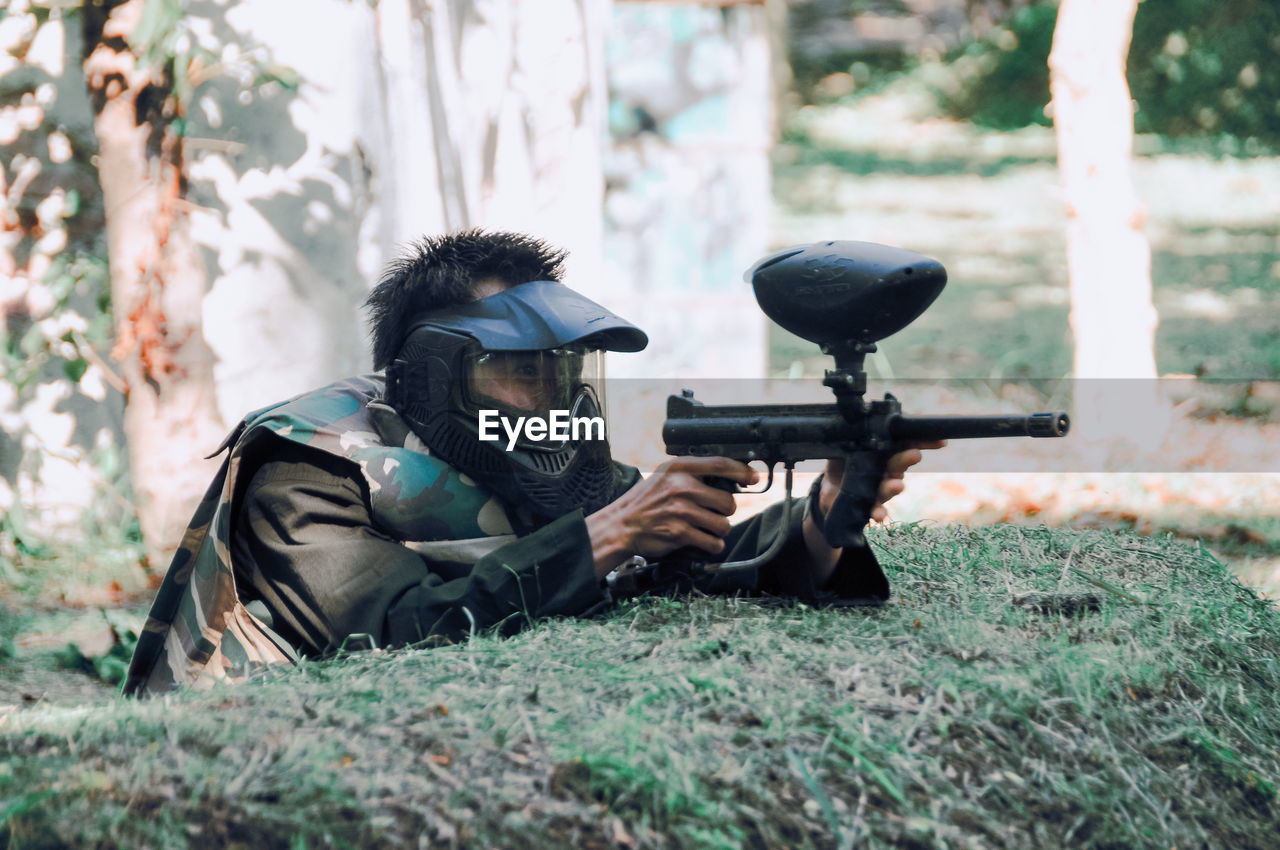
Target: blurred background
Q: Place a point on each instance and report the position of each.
(197, 196)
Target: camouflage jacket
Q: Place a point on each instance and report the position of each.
(199, 631)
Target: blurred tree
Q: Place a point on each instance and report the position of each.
(687, 208)
(518, 103)
(418, 118)
(1109, 260)
(1207, 67)
(1002, 78)
(55, 322)
(157, 279)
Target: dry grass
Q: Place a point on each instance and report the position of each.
(1014, 694)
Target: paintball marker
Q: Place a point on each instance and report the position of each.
(844, 296)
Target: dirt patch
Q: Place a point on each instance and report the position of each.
(29, 682)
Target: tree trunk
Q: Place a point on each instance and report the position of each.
(1109, 260)
(509, 118)
(157, 283)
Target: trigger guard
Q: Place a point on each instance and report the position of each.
(767, 484)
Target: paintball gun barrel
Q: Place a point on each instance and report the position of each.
(844, 296)
(776, 433)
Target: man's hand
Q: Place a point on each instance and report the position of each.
(673, 507)
(822, 557)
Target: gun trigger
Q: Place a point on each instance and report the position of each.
(767, 484)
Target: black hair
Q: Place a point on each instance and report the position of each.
(441, 271)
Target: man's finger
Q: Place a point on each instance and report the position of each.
(721, 467)
(714, 499)
(901, 462)
(928, 444)
(889, 488)
(702, 540)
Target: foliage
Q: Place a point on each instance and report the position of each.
(37, 576)
(1002, 80)
(55, 321)
(10, 622)
(813, 56)
(166, 37)
(1195, 67)
(1014, 694)
(1204, 67)
(60, 334)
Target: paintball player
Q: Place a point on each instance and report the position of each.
(401, 507)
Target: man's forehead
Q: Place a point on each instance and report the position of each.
(486, 286)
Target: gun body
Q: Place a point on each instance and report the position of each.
(844, 296)
(864, 435)
(789, 433)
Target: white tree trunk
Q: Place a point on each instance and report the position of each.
(409, 117)
(1109, 260)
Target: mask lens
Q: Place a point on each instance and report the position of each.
(533, 383)
(524, 381)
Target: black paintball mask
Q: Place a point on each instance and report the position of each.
(509, 389)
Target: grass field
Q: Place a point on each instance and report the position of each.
(1027, 688)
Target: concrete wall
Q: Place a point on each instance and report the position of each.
(688, 203)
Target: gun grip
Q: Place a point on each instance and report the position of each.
(692, 554)
(726, 484)
(849, 515)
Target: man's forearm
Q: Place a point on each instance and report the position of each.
(546, 573)
(822, 557)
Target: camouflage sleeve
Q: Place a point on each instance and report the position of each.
(306, 545)
(546, 573)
